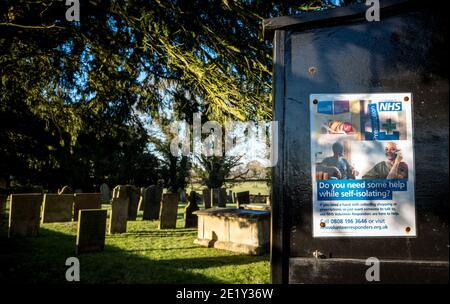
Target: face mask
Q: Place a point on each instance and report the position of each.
(391, 155)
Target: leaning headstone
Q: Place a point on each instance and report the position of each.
(152, 203)
(65, 190)
(119, 215)
(91, 230)
(207, 197)
(106, 193)
(219, 197)
(169, 211)
(133, 196)
(57, 208)
(24, 214)
(242, 198)
(190, 219)
(86, 201)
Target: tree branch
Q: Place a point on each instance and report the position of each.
(32, 27)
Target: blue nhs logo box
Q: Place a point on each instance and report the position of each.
(390, 106)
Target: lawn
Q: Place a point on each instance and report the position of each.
(255, 187)
(142, 255)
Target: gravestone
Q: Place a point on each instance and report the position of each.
(141, 199)
(86, 201)
(242, 198)
(119, 215)
(24, 214)
(152, 203)
(190, 219)
(230, 197)
(65, 190)
(207, 197)
(238, 230)
(222, 197)
(219, 197)
(115, 191)
(106, 193)
(133, 196)
(57, 208)
(91, 230)
(3, 199)
(169, 211)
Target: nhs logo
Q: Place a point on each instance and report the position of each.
(390, 106)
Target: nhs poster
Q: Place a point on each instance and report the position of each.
(362, 165)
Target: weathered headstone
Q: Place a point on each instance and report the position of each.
(242, 198)
(190, 219)
(106, 193)
(86, 201)
(133, 195)
(207, 197)
(57, 208)
(24, 214)
(119, 215)
(65, 190)
(91, 230)
(152, 203)
(219, 197)
(169, 211)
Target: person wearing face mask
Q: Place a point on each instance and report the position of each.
(336, 166)
(392, 168)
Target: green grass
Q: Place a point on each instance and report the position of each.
(254, 187)
(142, 255)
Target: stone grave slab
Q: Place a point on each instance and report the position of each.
(86, 201)
(169, 211)
(119, 215)
(57, 208)
(152, 203)
(24, 214)
(207, 198)
(133, 196)
(190, 219)
(242, 198)
(91, 230)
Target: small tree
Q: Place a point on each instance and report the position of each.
(213, 170)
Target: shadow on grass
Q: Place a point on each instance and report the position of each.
(42, 260)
